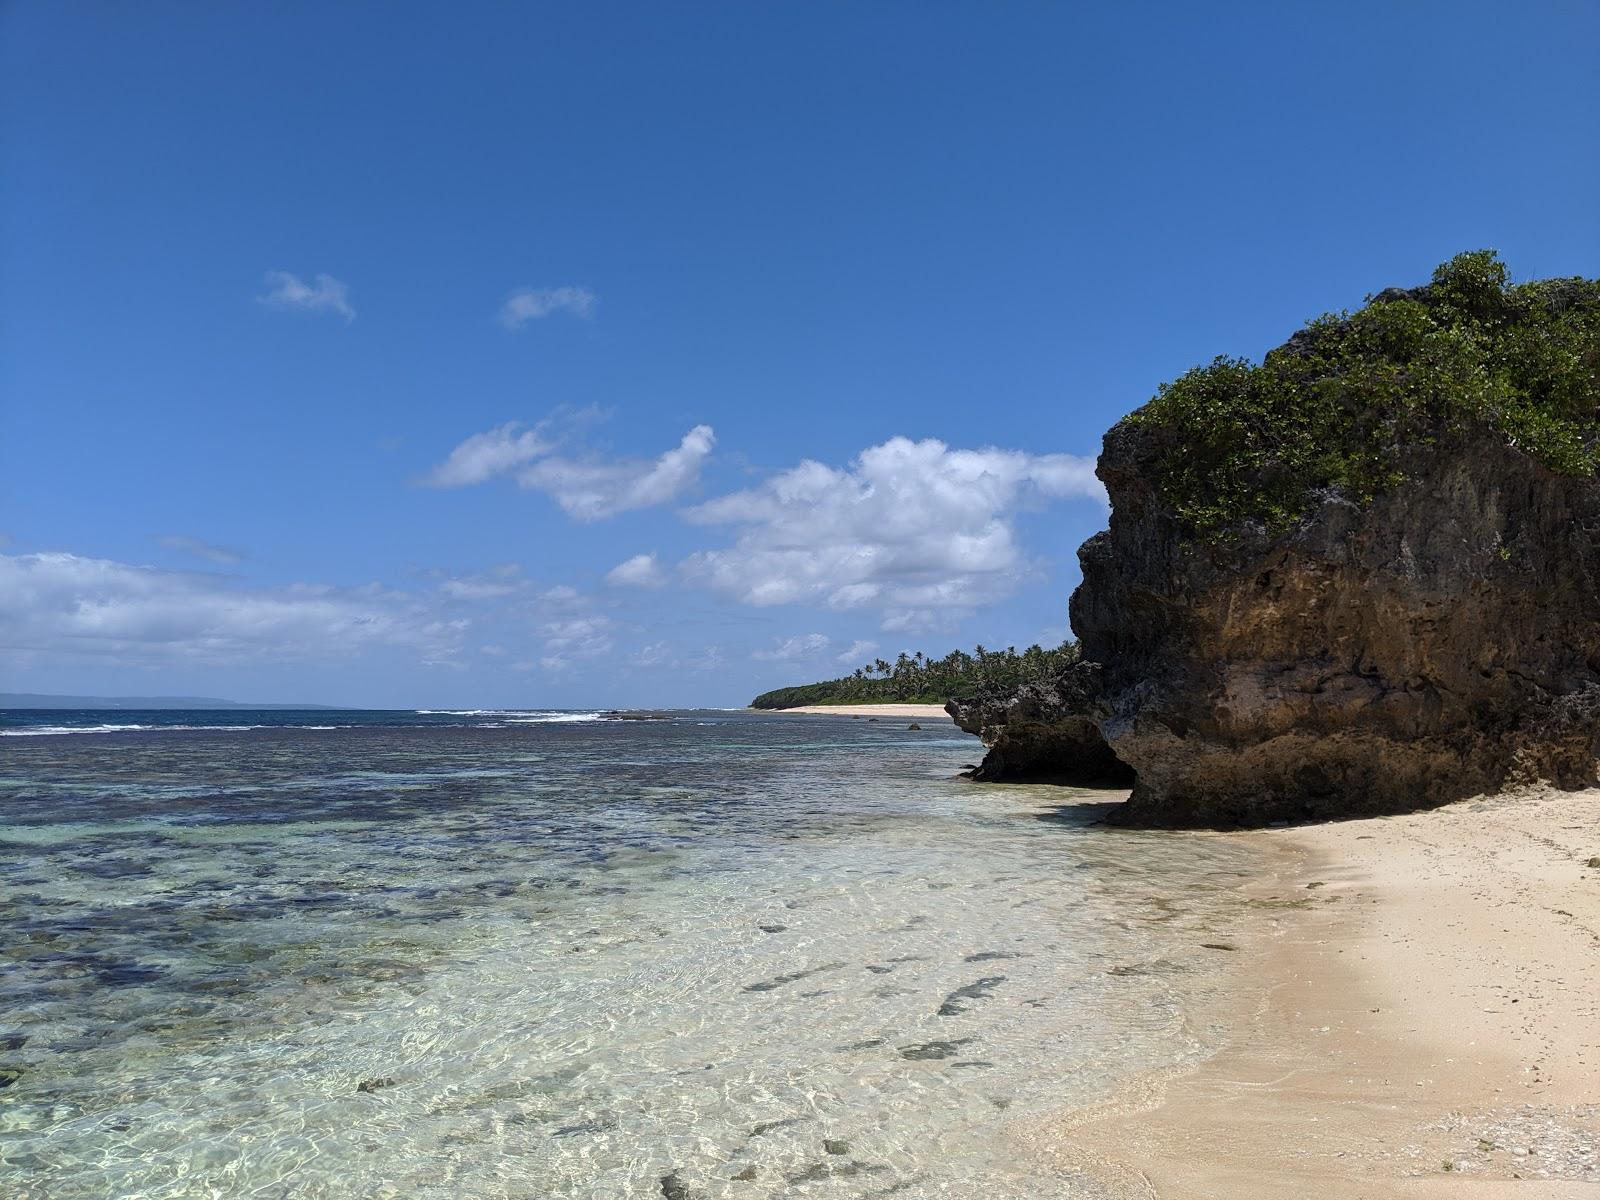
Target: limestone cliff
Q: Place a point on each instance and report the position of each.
(1377, 588)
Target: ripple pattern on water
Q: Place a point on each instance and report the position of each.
(762, 956)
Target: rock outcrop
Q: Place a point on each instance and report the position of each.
(1441, 641)
(1047, 730)
(1434, 639)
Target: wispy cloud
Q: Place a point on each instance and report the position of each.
(568, 628)
(534, 304)
(654, 654)
(494, 584)
(589, 488)
(563, 596)
(200, 549)
(593, 489)
(323, 294)
(858, 653)
(571, 638)
(642, 570)
(485, 455)
(709, 659)
(807, 645)
(584, 636)
(67, 605)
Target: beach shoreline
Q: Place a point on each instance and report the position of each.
(1416, 1014)
(911, 712)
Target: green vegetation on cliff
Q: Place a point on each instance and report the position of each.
(917, 679)
(1332, 407)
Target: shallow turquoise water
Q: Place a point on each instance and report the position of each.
(772, 955)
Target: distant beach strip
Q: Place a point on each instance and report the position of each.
(911, 712)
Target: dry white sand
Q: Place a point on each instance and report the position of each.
(1417, 1015)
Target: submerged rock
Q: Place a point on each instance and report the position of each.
(1363, 577)
(958, 1001)
(846, 1170)
(933, 1050)
(777, 981)
(766, 1127)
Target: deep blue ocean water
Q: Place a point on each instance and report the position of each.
(47, 721)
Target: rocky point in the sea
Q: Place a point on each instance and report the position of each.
(1362, 576)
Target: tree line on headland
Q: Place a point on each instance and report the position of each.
(918, 679)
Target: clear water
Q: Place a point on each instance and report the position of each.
(768, 955)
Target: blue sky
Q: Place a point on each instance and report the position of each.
(350, 350)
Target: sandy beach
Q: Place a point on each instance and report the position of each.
(1418, 1015)
(1415, 1013)
(911, 712)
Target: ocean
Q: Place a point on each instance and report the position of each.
(544, 954)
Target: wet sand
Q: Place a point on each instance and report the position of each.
(1417, 1015)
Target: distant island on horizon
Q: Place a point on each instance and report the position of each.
(47, 700)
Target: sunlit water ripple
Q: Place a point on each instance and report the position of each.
(770, 955)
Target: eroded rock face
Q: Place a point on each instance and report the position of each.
(1442, 641)
(1359, 576)
(1045, 731)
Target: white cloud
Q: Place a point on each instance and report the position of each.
(323, 294)
(534, 304)
(587, 489)
(485, 455)
(563, 597)
(591, 490)
(200, 549)
(642, 570)
(788, 649)
(584, 636)
(655, 654)
(493, 584)
(919, 531)
(569, 629)
(709, 659)
(858, 654)
(64, 604)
